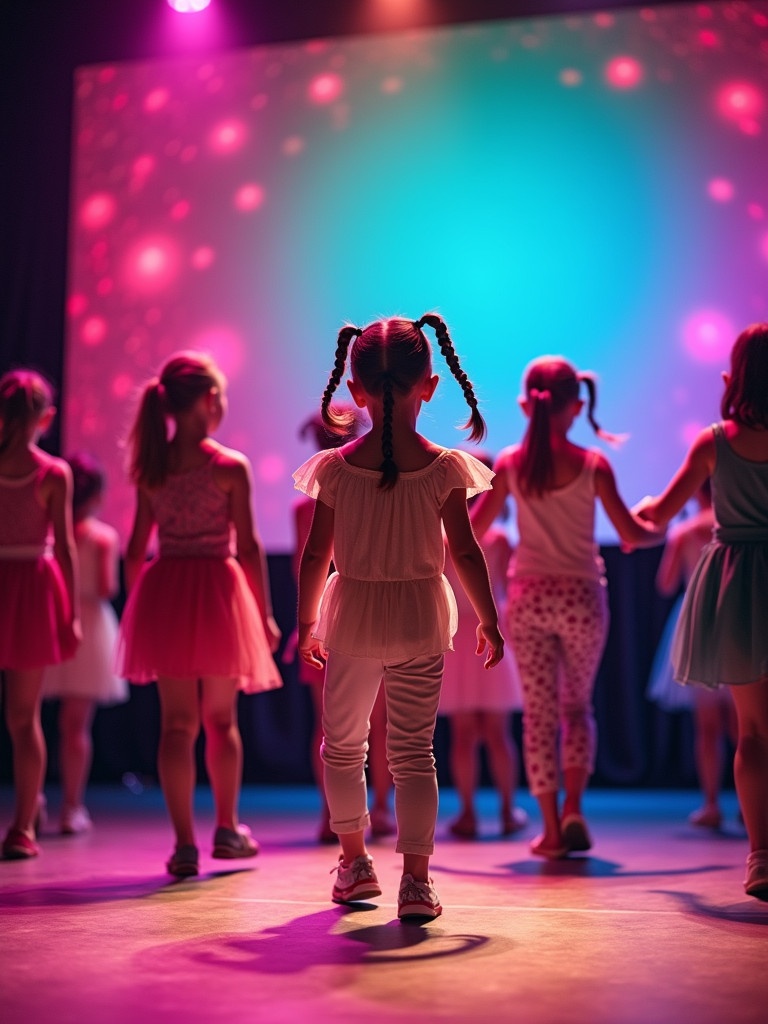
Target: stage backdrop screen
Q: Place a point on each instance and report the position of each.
(593, 186)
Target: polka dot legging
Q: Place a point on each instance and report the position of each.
(558, 627)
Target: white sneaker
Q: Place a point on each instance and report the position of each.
(417, 899)
(75, 820)
(355, 881)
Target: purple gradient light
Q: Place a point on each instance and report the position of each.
(188, 6)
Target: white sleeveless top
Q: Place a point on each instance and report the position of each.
(557, 529)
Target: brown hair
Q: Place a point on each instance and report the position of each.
(551, 384)
(185, 378)
(745, 399)
(25, 396)
(390, 357)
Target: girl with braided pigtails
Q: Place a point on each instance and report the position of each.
(387, 615)
(557, 601)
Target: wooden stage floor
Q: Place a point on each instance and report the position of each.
(652, 926)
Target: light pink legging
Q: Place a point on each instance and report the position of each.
(558, 627)
(412, 691)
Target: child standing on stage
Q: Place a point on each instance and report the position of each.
(714, 715)
(39, 623)
(721, 636)
(87, 679)
(197, 619)
(479, 707)
(558, 609)
(381, 780)
(387, 614)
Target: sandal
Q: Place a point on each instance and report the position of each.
(464, 827)
(19, 845)
(183, 862)
(575, 833)
(229, 844)
(756, 882)
(515, 822)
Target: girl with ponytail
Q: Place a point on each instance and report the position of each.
(387, 615)
(558, 609)
(198, 617)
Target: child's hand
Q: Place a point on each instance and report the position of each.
(639, 509)
(310, 648)
(490, 636)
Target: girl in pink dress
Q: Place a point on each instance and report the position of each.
(39, 623)
(198, 619)
(388, 613)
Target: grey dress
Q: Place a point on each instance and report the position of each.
(722, 632)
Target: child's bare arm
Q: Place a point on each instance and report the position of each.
(136, 552)
(59, 493)
(472, 571)
(632, 530)
(698, 464)
(313, 572)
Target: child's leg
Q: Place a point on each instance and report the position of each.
(326, 835)
(465, 737)
(413, 693)
(22, 716)
(751, 761)
(223, 747)
(350, 689)
(179, 727)
(583, 629)
(708, 750)
(380, 775)
(75, 719)
(502, 758)
(537, 652)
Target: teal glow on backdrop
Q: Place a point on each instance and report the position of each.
(592, 185)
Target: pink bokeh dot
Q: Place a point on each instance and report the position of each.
(143, 165)
(97, 211)
(741, 102)
(709, 38)
(180, 210)
(755, 211)
(623, 72)
(293, 145)
(604, 20)
(93, 331)
(156, 99)
(570, 77)
(105, 286)
(77, 304)
(122, 385)
(249, 197)
(228, 136)
(764, 247)
(326, 88)
(392, 84)
(721, 190)
(708, 336)
(151, 264)
(202, 257)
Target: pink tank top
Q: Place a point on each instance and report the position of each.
(193, 517)
(24, 522)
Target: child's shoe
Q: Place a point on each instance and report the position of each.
(756, 882)
(382, 823)
(706, 817)
(355, 881)
(183, 862)
(417, 899)
(75, 820)
(230, 845)
(18, 845)
(464, 827)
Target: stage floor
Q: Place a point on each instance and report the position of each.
(652, 926)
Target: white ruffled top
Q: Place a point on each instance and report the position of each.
(388, 598)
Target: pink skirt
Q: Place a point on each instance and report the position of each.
(194, 618)
(35, 615)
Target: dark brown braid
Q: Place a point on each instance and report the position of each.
(389, 470)
(589, 380)
(338, 422)
(475, 424)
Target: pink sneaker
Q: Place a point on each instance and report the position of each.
(756, 882)
(355, 881)
(17, 845)
(417, 899)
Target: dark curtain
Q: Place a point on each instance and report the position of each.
(638, 744)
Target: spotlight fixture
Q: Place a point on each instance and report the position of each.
(188, 6)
